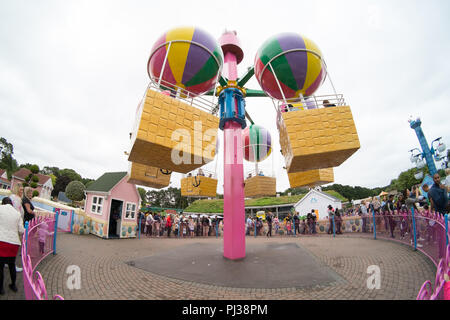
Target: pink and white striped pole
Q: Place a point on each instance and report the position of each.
(233, 208)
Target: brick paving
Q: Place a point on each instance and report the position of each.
(105, 273)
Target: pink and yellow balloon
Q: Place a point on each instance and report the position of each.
(191, 58)
(292, 59)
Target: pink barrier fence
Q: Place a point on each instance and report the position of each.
(430, 231)
(38, 242)
(441, 284)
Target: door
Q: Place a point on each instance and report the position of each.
(115, 218)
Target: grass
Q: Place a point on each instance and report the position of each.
(216, 205)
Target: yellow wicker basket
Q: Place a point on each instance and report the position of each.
(311, 178)
(165, 124)
(317, 138)
(260, 186)
(198, 186)
(148, 176)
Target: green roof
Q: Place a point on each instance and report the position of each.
(106, 182)
(216, 205)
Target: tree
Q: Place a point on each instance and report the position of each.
(72, 174)
(49, 171)
(7, 160)
(60, 185)
(87, 181)
(75, 191)
(143, 195)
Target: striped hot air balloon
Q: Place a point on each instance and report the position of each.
(194, 60)
(257, 143)
(297, 63)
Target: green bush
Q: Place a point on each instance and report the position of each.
(33, 185)
(28, 177)
(75, 191)
(35, 193)
(24, 184)
(35, 179)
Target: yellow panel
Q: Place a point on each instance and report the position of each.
(152, 145)
(260, 186)
(316, 146)
(311, 178)
(198, 186)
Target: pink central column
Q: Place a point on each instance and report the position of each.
(233, 206)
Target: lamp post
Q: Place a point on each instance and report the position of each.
(427, 153)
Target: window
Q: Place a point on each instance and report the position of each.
(97, 205)
(131, 211)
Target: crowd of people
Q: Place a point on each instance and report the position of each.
(393, 210)
(154, 224)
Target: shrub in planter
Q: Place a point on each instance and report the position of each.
(34, 169)
(75, 191)
(35, 193)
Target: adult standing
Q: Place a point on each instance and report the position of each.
(330, 219)
(269, 223)
(16, 199)
(364, 216)
(149, 224)
(248, 225)
(438, 196)
(28, 208)
(296, 223)
(11, 225)
(157, 224)
(169, 221)
(338, 221)
(390, 214)
(205, 225)
(314, 221)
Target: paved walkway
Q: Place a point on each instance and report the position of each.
(106, 271)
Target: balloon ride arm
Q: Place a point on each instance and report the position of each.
(249, 118)
(223, 82)
(255, 93)
(242, 81)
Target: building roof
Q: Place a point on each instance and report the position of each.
(62, 197)
(324, 194)
(22, 173)
(106, 182)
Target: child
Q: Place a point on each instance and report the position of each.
(184, 228)
(191, 227)
(288, 227)
(403, 223)
(42, 235)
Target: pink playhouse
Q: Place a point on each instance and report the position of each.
(113, 205)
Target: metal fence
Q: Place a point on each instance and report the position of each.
(39, 240)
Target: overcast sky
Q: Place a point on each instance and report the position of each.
(73, 72)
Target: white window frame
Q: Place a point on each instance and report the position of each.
(126, 210)
(97, 205)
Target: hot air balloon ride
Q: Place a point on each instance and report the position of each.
(174, 123)
(316, 132)
(257, 145)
